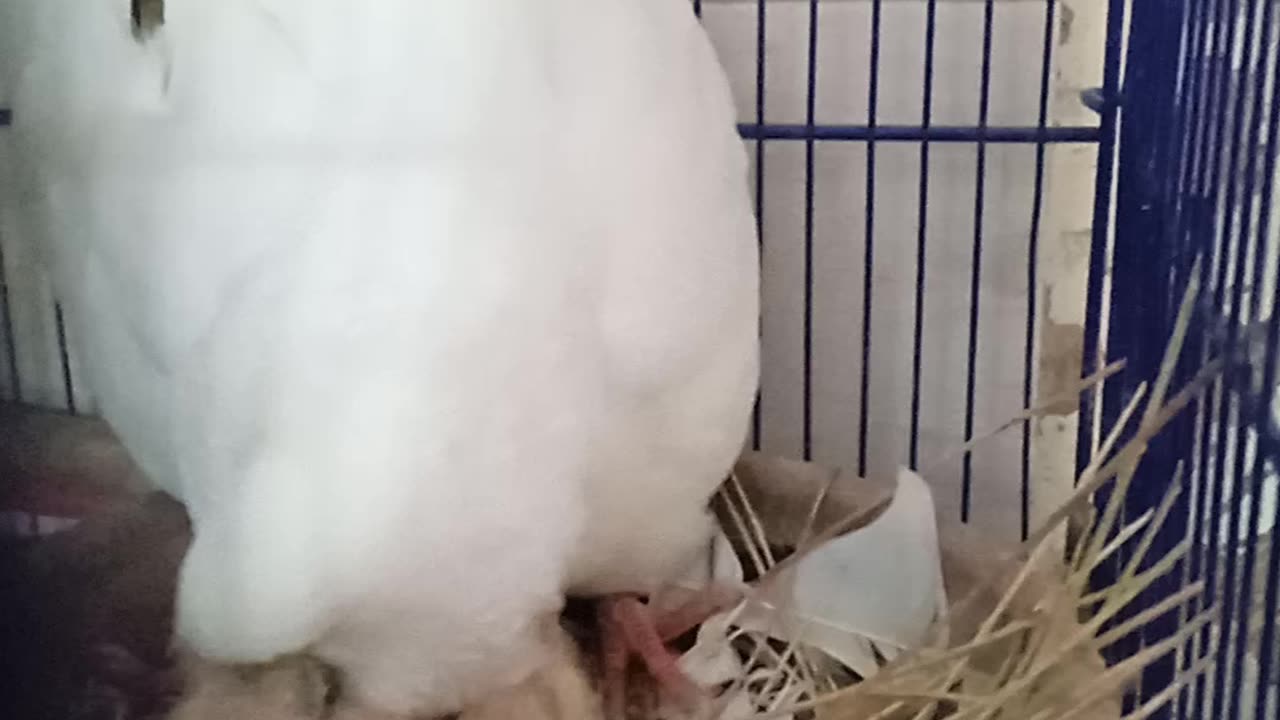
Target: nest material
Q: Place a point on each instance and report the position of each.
(1025, 633)
(976, 570)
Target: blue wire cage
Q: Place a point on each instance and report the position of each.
(1192, 123)
(1186, 159)
(1182, 128)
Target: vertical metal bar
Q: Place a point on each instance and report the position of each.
(926, 121)
(1093, 405)
(1212, 11)
(10, 341)
(975, 270)
(1228, 420)
(1268, 53)
(761, 38)
(809, 144)
(1269, 644)
(868, 261)
(6, 307)
(1207, 510)
(1033, 259)
(1188, 114)
(1220, 100)
(1169, 28)
(1198, 223)
(64, 359)
(1103, 183)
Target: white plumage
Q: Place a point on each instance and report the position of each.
(429, 310)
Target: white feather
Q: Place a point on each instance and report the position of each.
(428, 310)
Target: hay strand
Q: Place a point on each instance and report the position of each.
(1036, 652)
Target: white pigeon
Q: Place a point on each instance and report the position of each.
(430, 311)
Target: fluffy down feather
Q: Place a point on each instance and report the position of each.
(430, 311)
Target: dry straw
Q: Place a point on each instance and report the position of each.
(1024, 636)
